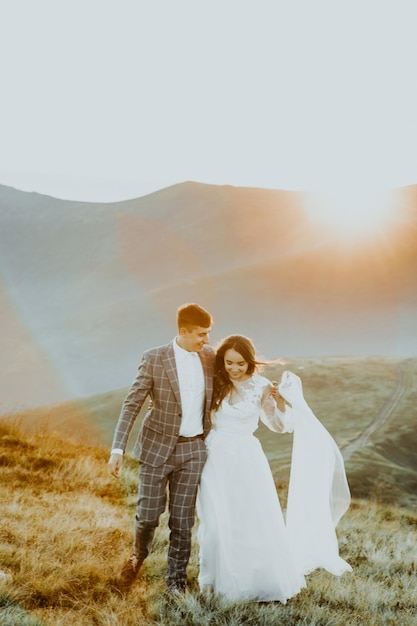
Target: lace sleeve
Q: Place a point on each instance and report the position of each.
(271, 416)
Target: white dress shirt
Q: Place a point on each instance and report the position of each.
(192, 390)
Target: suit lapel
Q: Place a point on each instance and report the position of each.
(168, 359)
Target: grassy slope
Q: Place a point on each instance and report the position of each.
(66, 525)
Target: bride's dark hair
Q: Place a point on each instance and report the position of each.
(222, 382)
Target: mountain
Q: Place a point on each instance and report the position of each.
(86, 287)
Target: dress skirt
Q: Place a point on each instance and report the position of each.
(245, 552)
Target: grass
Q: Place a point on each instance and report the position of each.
(66, 525)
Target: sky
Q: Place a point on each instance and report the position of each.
(105, 100)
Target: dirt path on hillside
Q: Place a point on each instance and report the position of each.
(403, 385)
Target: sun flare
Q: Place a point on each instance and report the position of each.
(353, 213)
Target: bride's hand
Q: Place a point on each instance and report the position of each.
(279, 399)
(291, 388)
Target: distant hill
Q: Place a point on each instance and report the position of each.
(86, 287)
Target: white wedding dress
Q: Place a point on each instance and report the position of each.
(247, 551)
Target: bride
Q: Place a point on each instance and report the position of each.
(247, 551)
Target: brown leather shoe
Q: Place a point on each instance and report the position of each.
(130, 570)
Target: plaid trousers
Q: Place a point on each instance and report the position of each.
(177, 479)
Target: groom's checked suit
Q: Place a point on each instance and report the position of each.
(170, 446)
(157, 377)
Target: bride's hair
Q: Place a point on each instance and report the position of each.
(222, 383)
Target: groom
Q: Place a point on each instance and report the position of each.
(170, 446)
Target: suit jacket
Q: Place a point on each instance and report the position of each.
(157, 377)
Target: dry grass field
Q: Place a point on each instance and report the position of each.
(66, 525)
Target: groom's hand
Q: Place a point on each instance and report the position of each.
(115, 464)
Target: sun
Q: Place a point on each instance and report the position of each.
(354, 213)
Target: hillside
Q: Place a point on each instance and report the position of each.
(86, 287)
(66, 527)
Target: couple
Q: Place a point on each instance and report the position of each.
(246, 550)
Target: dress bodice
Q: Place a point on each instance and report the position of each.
(249, 401)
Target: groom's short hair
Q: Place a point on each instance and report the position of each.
(190, 315)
